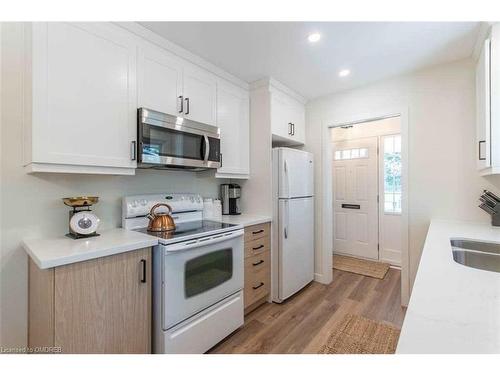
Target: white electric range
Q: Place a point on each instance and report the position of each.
(197, 274)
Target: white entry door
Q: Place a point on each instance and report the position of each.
(355, 181)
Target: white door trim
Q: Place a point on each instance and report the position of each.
(327, 222)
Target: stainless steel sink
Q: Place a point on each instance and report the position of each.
(476, 254)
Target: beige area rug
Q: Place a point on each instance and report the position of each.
(358, 335)
(360, 266)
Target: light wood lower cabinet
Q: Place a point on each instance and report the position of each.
(257, 266)
(97, 306)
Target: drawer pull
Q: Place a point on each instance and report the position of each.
(258, 231)
(258, 286)
(258, 247)
(257, 263)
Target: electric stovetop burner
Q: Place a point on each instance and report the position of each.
(192, 229)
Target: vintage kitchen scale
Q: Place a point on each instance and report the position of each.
(82, 222)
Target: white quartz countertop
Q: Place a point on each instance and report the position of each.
(453, 308)
(58, 251)
(245, 219)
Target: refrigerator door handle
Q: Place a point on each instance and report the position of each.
(285, 166)
(285, 230)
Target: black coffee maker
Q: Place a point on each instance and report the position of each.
(230, 195)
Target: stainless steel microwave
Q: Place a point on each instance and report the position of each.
(167, 141)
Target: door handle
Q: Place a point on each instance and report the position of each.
(143, 271)
(182, 103)
(481, 158)
(187, 106)
(133, 152)
(289, 128)
(207, 148)
(257, 263)
(258, 286)
(293, 128)
(285, 230)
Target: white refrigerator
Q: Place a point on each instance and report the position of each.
(293, 222)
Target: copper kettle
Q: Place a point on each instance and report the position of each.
(160, 222)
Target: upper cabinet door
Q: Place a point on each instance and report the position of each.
(281, 117)
(159, 81)
(287, 119)
(483, 126)
(200, 95)
(84, 105)
(299, 122)
(233, 121)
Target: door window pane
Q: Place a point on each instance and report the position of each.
(392, 174)
(207, 271)
(352, 153)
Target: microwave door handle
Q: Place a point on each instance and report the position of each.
(199, 243)
(207, 148)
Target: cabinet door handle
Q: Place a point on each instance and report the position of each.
(143, 271)
(480, 157)
(133, 150)
(187, 106)
(293, 128)
(257, 263)
(182, 103)
(258, 286)
(289, 128)
(258, 247)
(258, 231)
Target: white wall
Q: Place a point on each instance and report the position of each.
(443, 182)
(30, 205)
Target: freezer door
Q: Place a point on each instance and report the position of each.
(296, 245)
(296, 173)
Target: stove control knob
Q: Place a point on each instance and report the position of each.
(144, 202)
(191, 199)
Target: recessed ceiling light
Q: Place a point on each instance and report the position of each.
(344, 73)
(314, 37)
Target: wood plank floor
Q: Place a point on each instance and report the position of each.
(303, 323)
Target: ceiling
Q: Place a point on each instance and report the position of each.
(370, 50)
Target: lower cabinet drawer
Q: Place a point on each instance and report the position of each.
(257, 277)
(257, 231)
(257, 246)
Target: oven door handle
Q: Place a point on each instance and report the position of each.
(188, 245)
(207, 148)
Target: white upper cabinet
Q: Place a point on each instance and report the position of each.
(281, 115)
(199, 95)
(487, 105)
(483, 125)
(233, 122)
(83, 99)
(170, 85)
(287, 119)
(298, 122)
(160, 80)
(83, 84)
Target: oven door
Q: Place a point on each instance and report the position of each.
(167, 140)
(197, 274)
